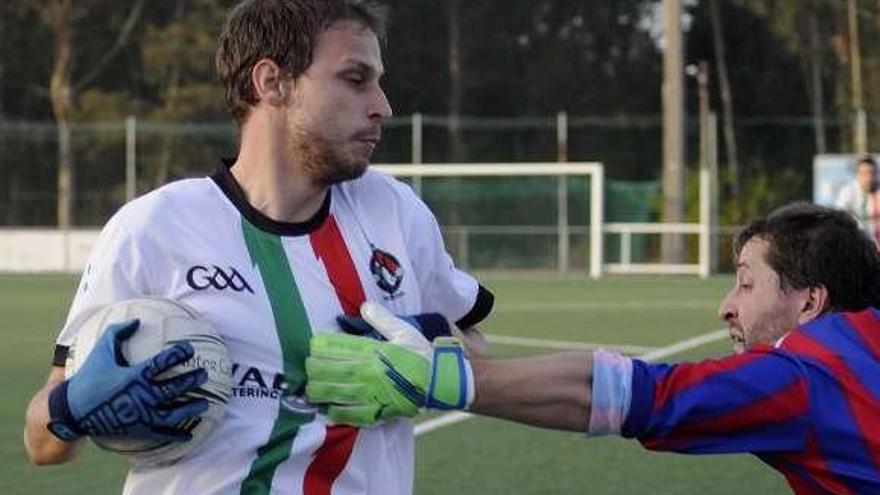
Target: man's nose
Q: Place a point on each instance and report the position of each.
(727, 309)
(380, 108)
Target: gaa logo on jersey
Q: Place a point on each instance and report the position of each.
(202, 277)
(386, 270)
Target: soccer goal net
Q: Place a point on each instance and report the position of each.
(546, 216)
(518, 216)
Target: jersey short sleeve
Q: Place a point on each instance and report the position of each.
(116, 270)
(753, 402)
(445, 288)
(847, 198)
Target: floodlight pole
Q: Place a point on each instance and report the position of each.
(597, 226)
(817, 97)
(562, 193)
(416, 149)
(712, 149)
(130, 158)
(708, 174)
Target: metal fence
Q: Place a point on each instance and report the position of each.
(114, 160)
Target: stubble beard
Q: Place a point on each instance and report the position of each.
(769, 329)
(323, 160)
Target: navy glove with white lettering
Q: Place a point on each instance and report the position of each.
(430, 325)
(107, 396)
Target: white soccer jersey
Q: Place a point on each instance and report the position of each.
(266, 286)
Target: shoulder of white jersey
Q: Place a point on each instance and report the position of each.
(163, 204)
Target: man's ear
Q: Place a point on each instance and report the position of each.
(815, 303)
(269, 83)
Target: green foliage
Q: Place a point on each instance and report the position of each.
(178, 56)
(764, 190)
(589, 58)
(99, 105)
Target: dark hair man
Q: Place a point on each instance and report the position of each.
(800, 392)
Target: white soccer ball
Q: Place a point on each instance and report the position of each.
(163, 322)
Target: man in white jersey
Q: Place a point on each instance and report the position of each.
(270, 249)
(861, 198)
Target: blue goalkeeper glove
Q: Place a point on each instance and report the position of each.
(363, 381)
(430, 325)
(107, 396)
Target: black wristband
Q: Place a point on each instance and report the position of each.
(481, 309)
(62, 424)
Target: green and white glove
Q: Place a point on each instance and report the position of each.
(362, 381)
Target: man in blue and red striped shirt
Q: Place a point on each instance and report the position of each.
(801, 390)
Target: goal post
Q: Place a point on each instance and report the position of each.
(519, 216)
(593, 171)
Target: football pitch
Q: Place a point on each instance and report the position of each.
(643, 316)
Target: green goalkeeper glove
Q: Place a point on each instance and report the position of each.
(363, 381)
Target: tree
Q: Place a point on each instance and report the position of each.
(772, 78)
(177, 55)
(672, 246)
(60, 12)
(60, 15)
(726, 96)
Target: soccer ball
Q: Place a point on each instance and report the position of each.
(163, 322)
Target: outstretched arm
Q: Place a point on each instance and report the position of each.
(552, 391)
(753, 402)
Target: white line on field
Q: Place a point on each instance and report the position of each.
(685, 345)
(691, 343)
(565, 345)
(597, 305)
(441, 421)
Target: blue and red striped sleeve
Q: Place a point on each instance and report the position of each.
(753, 402)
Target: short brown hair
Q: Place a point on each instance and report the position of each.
(284, 31)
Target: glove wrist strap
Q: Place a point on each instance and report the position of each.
(451, 385)
(62, 424)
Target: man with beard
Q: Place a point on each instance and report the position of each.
(270, 249)
(800, 392)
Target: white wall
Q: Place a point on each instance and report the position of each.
(45, 250)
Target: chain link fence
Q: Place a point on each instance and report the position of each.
(630, 148)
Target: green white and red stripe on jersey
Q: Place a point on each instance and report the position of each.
(329, 460)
